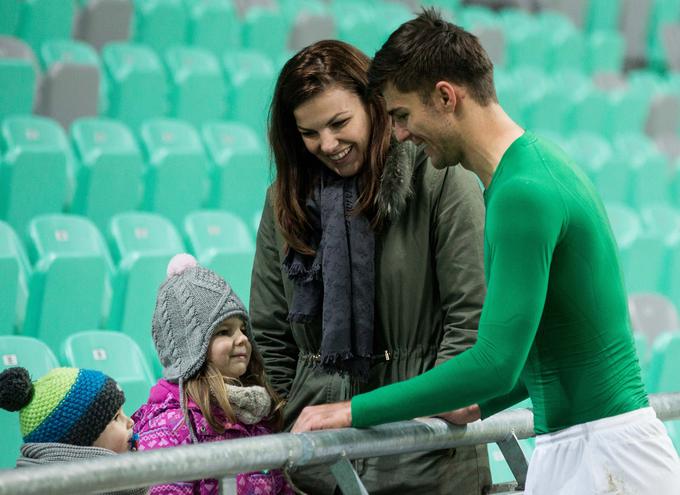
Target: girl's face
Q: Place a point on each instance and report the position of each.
(230, 349)
(116, 435)
(335, 128)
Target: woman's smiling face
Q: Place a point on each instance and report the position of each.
(335, 128)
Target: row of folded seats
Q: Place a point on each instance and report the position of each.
(102, 168)
(69, 277)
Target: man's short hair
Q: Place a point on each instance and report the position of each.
(429, 49)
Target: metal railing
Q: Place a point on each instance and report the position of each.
(334, 448)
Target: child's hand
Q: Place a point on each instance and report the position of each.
(462, 416)
(324, 417)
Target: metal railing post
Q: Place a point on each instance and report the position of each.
(347, 478)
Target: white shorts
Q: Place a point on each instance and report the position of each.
(626, 454)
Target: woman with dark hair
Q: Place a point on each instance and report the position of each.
(368, 268)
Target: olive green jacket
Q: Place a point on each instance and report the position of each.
(429, 291)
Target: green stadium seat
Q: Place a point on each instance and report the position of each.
(213, 25)
(250, 82)
(672, 285)
(17, 77)
(222, 242)
(197, 89)
(38, 359)
(500, 471)
(69, 286)
(566, 44)
(664, 12)
(265, 30)
(43, 20)
(160, 23)
(649, 181)
(309, 21)
(590, 151)
(625, 223)
(602, 15)
(605, 52)
(354, 21)
(9, 16)
(526, 40)
(664, 367)
(591, 112)
(240, 168)
(177, 179)
(644, 264)
(141, 244)
(662, 221)
(630, 110)
(109, 169)
(644, 163)
(14, 273)
(116, 355)
(71, 81)
(34, 175)
(136, 82)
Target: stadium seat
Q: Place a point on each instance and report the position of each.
(141, 245)
(240, 168)
(213, 25)
(197, 89)
(250, 82)
(664, 366)
(625, 223)
(34, 174)
(136, 81)
(14, 274)
(265, 30)
(591, 112)
(664, 114)
(177, 180)
(662, 221)
(18, 77)
(605, 52)
(160, 24)
(222, 242)
(99, 23)
(589, 151)
(69, 286)
(9, 16)
(672, 287)
(43, 20)
(630, 111)
(309, 21)
(354, 23)
(652, 314)
(38, 359)
(70, 85)
(109, 170)
(115, 354)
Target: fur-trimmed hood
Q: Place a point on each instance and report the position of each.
(396, 183)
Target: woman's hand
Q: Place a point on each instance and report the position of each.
(462, 416)
(324, 417)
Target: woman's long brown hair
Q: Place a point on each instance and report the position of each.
(314, 69)
(207, 389)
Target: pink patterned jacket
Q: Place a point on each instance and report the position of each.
(160, 424)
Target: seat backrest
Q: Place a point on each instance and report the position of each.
(33, 172)
(14, 273)
(213, 25)
(19, 75)
(99, 23)
(70, 287)
(42, 20)
(110, 168)
(38, 359)
(116, 355)
(198, 92)
(177, 178)
(160, 23)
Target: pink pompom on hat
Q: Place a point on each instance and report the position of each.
(179, 263)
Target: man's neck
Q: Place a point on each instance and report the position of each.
(489, 132)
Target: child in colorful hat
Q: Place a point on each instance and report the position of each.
(68, 415)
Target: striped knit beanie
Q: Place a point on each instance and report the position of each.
(67, 405)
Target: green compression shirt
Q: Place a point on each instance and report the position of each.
(554, 325)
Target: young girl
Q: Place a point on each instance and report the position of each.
(68, 415)
(214, 386)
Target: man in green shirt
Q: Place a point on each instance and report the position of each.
(554, 326)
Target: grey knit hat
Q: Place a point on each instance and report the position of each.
(191, 303)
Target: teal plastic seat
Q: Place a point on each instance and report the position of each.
(33, 171)
(250, 82)
(17, 77)
(625, 223)
(630, 109)
(222, 242)
(197, 89)
(265, 30)
(355, 25)
(109, 169)
(591, 111)
(649, 182)
(213, 25)
(672, 283)
(69, 286)
(240, 168)
(663, 221)
(602, 15)
(71, 81)
(14, 274)
(640, 158)
(590, 151)
(38, 359)
(567, 46)
(42, 20)
(664, 366)
(116, 355)
(160, 23)
(177, 179)
(141, 245)
(136, 81)
(645, 264)
(500, 471)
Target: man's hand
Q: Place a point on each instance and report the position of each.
(462, 416)
(324, 417)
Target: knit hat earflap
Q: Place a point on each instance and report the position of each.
(67, 405)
